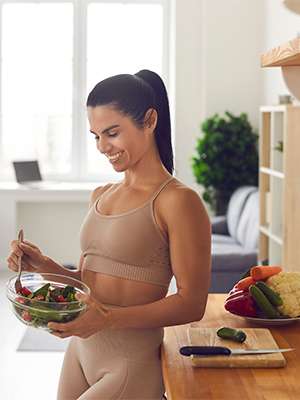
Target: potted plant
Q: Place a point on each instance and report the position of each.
(227, 158)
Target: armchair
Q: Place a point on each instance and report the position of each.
(235, 239)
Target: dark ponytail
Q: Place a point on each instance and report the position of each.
(133, 95)
(163, 128)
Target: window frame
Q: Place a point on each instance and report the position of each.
(79, 151)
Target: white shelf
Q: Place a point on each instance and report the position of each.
(266, 231)
(272, 172)
(274, 108)
(279, 222)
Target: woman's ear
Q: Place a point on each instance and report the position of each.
(150, 120)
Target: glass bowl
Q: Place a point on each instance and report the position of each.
(37, 313)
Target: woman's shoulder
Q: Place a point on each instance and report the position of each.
(178, 199)
(98, 191)
(178, 191)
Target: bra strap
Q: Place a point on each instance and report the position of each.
(106, 191)
(161, 188)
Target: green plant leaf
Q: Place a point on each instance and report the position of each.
(226, 155)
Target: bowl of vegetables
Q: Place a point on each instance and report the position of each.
(45, 298)
(266, 296)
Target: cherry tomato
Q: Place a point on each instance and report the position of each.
(25, 291)
(26, 316)
(21, 300)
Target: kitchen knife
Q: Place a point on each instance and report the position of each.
(219, 350)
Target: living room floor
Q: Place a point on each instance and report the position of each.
(23, 375)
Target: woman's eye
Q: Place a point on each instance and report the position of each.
(96, 137)
(113, 134)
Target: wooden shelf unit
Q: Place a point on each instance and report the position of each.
(279, 185)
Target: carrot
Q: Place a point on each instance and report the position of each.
(244, 283)
(261, 272)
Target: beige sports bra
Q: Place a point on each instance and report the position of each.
(128, 245)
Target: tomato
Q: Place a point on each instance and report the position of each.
(21, 300)
(39, 297)
(26, 316)
(25, 291)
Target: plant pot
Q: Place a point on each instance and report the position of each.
(221, 202)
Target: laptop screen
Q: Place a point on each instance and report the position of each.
(27, 171)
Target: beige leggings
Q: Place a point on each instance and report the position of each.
(113, 364)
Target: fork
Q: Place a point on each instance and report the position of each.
(18, 285)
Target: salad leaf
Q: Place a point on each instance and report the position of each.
(68, 290)
(43, 290)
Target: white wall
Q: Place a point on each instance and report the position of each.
(218, 46)
(188, 81)
(54, 227)
(281, 25)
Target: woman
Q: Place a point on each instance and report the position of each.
(137, 234)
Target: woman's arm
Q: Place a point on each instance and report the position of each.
(55, 268)
(189, 232)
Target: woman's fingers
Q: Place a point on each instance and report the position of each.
(31, 244)
(28, 267)
(30, 251)
(12, 259)
(25, 267)
(12, 267)
(91, 302)
(15, 245)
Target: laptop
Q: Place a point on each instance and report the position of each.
(28, 174)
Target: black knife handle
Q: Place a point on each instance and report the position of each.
(204, 350)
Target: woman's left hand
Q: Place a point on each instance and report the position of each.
(93, 320)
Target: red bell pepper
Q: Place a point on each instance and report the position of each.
(236, 293)
(243, 305)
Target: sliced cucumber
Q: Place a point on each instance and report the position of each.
(232, 334)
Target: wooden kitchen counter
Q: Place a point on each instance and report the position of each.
(182, 381)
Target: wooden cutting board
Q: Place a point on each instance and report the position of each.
(257, 338)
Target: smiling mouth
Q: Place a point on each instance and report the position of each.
(115, 157)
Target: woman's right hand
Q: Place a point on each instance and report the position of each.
(33, 259)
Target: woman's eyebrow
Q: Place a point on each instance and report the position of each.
(106, 129)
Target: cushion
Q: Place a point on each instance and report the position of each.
(228, 255)
(248, 227)
(235, 207)
(219, 225)
(222, 239)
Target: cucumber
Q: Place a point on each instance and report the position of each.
(232, 334)
(263, 303)
(272, 296)
(42, 290)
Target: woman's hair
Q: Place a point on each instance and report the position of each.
(133, 95)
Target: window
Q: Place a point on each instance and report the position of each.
(52, 54)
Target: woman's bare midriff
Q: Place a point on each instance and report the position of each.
(114, 290)
(124, 292)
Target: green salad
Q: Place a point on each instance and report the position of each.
(47, 303)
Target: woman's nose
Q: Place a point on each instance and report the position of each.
(103, 145)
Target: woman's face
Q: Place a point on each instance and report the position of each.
(117, 137)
